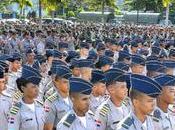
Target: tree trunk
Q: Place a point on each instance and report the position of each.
(24, 10)
(20, 13)
(53, 13)
(167, 14)
(40, 14)
(40, 9)
(103, 7)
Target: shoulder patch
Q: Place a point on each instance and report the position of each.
(15, 108)
(156, 115)
(104, 110)
(127, 123)
(53, 97)
(69, 120)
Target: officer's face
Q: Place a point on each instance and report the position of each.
(100, 88)
(105, 68)
(30, 57)
(113, 48)
(145, 104)
(119, 90)
(169, 71)
(81, 103)
(43, 67)
(30, 90)
(76, 71)
(127, 61)
(86, 73)
(137, 69)
(16, 64)
(85, 52)
(63, 85)
(2, 84)
(101, 52)
(50, 59)
(168, 94)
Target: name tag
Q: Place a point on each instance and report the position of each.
(29, 119)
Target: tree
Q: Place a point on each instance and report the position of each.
(3, 5)
(53, 5)
(22, 4)
(100, 5)
(166, 4)
(145, 5)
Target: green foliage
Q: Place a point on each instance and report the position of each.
(70, 14)
(3, 5)
(145, 5)
(95, 5)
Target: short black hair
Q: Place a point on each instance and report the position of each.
(134, 94)
(21, 82)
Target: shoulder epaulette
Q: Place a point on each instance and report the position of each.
(104, 110)
(17, 95)
(69, 120)
(91, 113)
(172, 109)
(15, 108)
(53, 97)
(156, 115)
(126, 102)
(40, 102)
(127, 123)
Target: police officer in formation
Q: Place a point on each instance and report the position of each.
(125, 82)
(5, 101)
(27, 114)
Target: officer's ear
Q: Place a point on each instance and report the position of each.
(135, 102)
(22, 88)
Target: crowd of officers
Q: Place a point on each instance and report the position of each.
(87, 77)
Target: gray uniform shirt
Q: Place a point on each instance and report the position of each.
(56, 108)
(71, 122)
(21, 117)
(95, 102)
(108, 115)
(5, 103)
(131, 122)
(162, 120)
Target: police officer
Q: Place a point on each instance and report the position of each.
(41, 66)
(143, 92)
(138, 64)
(14, 73)
(49, 89)
(27, 114)
(104, 63)
(170, 67)
(109, 113)
(74, 66)
(84, 50)
(154, 68)
(58, 103)
(5, 102)
(124, 56)
(121, 65)
(86, 66)
(98, 90)
(172, 54)
(80, 118)
(161, 116)
(50, 56)
(30, 57)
